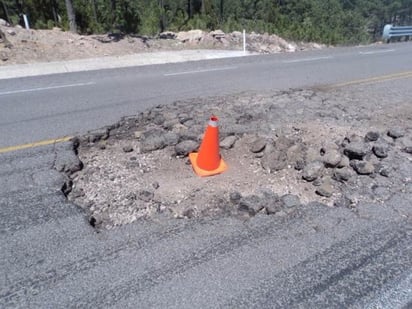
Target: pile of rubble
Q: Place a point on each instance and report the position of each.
(283, 152)
(27, 46)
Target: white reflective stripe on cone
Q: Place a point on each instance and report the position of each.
(213, 123)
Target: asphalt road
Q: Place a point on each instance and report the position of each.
(320, 258)
(52, 106)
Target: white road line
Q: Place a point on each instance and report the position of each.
(46, 88)
(377, 52)
(201, 71)
(308, 59)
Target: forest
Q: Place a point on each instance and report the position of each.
(323, 21)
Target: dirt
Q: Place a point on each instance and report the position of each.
(122, 181)
(30, 46)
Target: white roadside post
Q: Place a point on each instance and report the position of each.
(244, 41)
(26, 21)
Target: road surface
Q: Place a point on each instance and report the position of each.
(320, 258)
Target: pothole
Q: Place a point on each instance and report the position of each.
(284, 150)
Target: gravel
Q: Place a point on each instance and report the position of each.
(283, 151)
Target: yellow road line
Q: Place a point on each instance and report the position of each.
(36, 144)
(372, 80)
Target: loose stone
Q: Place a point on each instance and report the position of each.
(251, 204)
(258, 145)
(343, 174)
(407, 149)
(228, 142)
(331, 158)
(372, 136)
(185, 147)
(127, 148)
(145, 196)
(312, 171)
(274, 161)
(290, 200)
(396, 132)
(380, 151)
(362, 167)
(355, 151)
(235, 197)
(325, 190)
(344, 162)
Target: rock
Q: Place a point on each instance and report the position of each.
(258, 145)
(250, 204)
(396, 132)
(290, 201)
(384, 171)
(189, 213)
(327, 147)
(68, 162)
(167, 35)
(228, 142)
(170, 123)
(325, 189)
(283, 143)
(138, 134)
(344, 162)
(380, 151)
(190, 36)
(235, 197)
(295, 155)
(4, 56)
(185, 147)
(155, 139)
(355, 151)
(155, 185)
(152, 140)
(317, 182)
(407, 149)
(273, 204)
(299, 165)
(11, 32)
(362, 167)
(145, 195)
(3, 22)
(312, 171)
(217, 34)
(312, 155)
(274, 161)
(96, 220)
(343, 174)
(127, 148)
(272, 209)
(171, 138)
(331, 158)
(353, 138)
(372, 136)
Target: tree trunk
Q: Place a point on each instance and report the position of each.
(71, 16)
(94, 9)
(6, 12)
(114, 13)
(221, 10)
(162, 22)
(54, 11)
(189, 9)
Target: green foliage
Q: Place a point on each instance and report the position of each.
(325, 21)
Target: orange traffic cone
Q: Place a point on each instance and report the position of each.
(207, 161)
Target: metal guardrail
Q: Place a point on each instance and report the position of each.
(391, 31)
